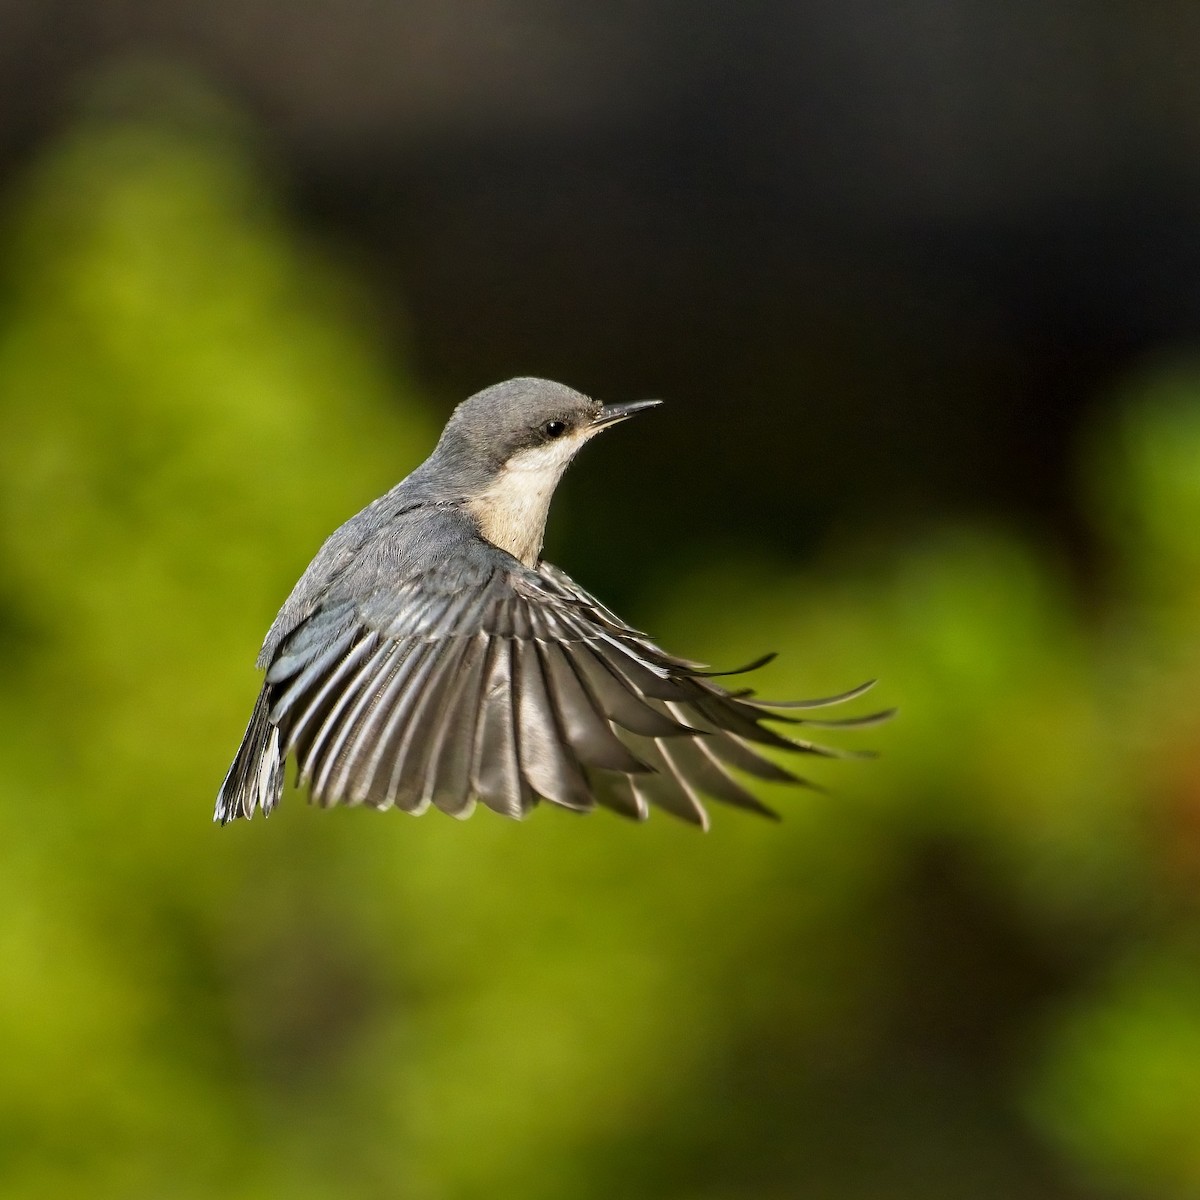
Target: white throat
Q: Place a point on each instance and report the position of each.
(512, 511)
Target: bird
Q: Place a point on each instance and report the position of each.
(430, 657)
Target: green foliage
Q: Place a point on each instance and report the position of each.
(969, 972)
(1123, 1086)
(185, 406)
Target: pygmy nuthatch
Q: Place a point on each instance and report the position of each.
(429, 656)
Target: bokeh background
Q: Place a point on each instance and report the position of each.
(921, 285)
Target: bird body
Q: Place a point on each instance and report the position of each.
(428, 656)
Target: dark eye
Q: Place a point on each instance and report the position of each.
(554, 429)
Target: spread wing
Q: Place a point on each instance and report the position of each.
(513, 688)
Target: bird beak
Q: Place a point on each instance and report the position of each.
(611, 414)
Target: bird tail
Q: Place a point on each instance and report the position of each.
(256, 777)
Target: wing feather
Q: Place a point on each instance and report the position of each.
(401, 672)
(448, 772)
(618, 701)
(305, 730)
(326, 752)
(496, 771)
(547, 760)
(584, 727)
(493, 683)
(669, 787)
(695, 758)
(380, 732)
(620, 794)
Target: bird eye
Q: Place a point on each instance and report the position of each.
(554, 429)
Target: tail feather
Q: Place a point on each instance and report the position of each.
(255, 779)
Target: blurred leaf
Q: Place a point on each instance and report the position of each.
(1122, 1080)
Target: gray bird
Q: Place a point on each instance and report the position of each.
(429, 656)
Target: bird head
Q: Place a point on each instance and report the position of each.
(528, 425)
(507, 447)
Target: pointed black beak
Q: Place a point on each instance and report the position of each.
(611, 414)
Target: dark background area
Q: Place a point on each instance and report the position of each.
(890, 254)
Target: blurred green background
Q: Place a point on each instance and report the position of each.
(971, 971)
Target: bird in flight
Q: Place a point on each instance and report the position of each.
(429, 656)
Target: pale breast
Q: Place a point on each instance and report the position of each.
(512, 511)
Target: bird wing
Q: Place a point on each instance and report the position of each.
(508, 686)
